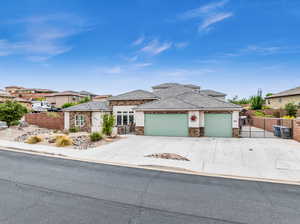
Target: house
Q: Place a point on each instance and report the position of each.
(86, 116)
(59, 99)
(170, 109)
(4, 96)
(87, 94)
(28, 93)
(101, 97)
(279, 100)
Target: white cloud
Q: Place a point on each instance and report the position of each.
(209, 14)
(203, 10)
(155, 47)
(210, 20)
(44, 36)
(138, 41)
(264, 50)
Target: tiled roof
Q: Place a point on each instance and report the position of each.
(66, 93)
(210, 92)
(189, 101)
(134, 95)
(290, 92)
(172, 91)
(90, 106)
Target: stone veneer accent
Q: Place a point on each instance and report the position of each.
(235, 132)
(88, 120)
(196, 132)
(139, 130)
(128, 102)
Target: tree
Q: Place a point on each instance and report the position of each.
(85, 100)
(269, 94)
(108, 124)
(291, 109)
(66, 105)
(12, 111)
(256, 102)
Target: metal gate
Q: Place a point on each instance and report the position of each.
(261, 127)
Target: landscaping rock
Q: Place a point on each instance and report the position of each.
(168, 156)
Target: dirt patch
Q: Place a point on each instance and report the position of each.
(172, 156)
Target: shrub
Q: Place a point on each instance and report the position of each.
(108, 124)
(66, 105)
(291, 109)
(259, 113)
(85, 100)
(288, 117)
(34, 139)
(63, 140)
(11, 111)
(256, 102)
(74, 129)
(15, 123)
(96, 136)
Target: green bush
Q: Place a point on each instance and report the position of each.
(15, 123)
(12, 111)
(96, 136)
(74, 129)
(108, 124)
(259, 114)
(85, 100)
(256, 102)
(66, 105)
(291, 109)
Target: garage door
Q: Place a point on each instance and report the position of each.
(166, 124)
(218, 125)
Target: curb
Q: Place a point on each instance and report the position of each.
(153, 168)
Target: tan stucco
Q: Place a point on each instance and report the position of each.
(280, 102)
(58, 101)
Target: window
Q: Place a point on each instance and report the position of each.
(79, 120)
(131, 117)
(125, 117)
(119, 118)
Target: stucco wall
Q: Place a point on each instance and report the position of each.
(276, 104)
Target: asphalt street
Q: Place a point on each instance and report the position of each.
(38, 189)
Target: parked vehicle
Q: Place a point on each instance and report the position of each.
(40, 106)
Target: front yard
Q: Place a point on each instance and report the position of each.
(79, 140)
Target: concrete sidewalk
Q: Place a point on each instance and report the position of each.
(276, 159)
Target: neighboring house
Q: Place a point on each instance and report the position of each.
(4, 96)
(171, 109)
(59, 99)
(279, 100)
(86, 116)
(28, 93)
(101, 97)
(87, 94)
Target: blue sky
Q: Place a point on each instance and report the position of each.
(234, 46)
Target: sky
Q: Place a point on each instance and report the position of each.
(109, 47)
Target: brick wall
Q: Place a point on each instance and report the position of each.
(53, 120)
(296, 130)
(267, 123)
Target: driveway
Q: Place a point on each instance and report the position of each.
(258, 158)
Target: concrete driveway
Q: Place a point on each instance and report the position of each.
(259, 158)
(269, 158)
